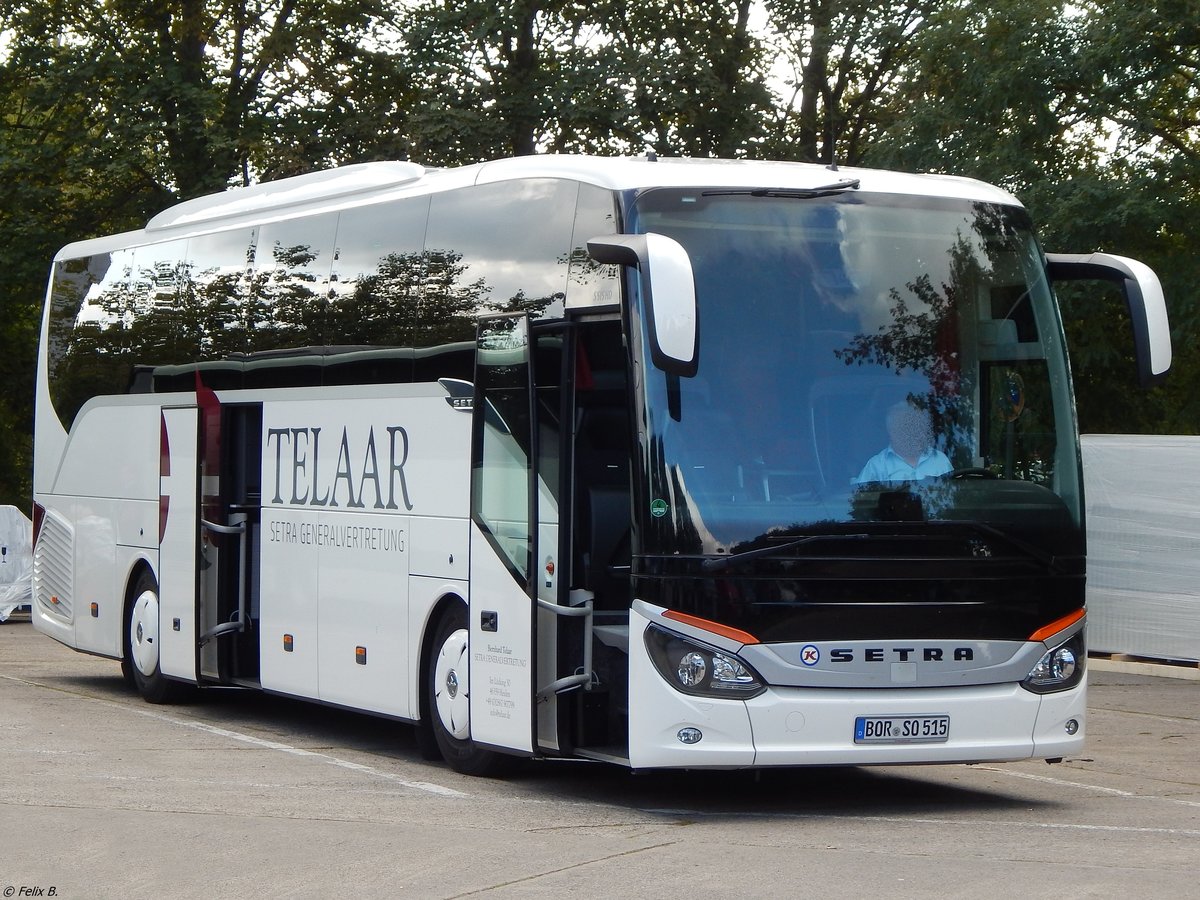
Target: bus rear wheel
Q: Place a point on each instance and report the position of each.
(142, 644)
(448, 693)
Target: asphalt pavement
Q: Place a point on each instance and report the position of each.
(238, 794)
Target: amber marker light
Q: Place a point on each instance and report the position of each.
(725, 631)
(1057, 625)
(287, 643)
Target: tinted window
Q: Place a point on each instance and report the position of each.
(858, 346)
(380, 293)
(591, 284)
(110, 314)
(496, 248)
(502, 471)
(291, 279)
(378, 271)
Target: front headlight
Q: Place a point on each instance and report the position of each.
(700, 670)
(1059, 669)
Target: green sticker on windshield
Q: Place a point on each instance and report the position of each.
(658, 508)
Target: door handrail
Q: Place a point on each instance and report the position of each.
(584, 679)
(238, 622)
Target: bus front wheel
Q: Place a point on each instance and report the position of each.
(448, 692)
(142, 644)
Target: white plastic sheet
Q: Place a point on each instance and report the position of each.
(1143, 530)
(16, 561)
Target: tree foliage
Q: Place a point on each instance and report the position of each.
(115, 110)
(1088, 111)
(523, 76)
(845, 64)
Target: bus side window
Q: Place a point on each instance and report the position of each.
(470, 272)
(112, 316)
(217, 295)
(379, 268)
(289, 282)
(590, 283)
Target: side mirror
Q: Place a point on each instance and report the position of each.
(669, 289)
(1143, 296)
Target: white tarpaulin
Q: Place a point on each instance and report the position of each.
(1143, 534)
(16, 560)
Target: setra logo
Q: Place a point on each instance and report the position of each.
(902, 654)
(810, 654)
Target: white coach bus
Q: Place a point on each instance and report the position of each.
(567, 456)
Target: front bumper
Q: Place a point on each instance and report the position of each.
(794, 726)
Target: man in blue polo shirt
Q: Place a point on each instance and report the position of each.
(910, 455)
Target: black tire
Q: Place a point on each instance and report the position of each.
(126, 662)
(448, 701)
(427, 744)
(141, 644)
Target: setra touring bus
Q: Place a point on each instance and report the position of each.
(667, 463)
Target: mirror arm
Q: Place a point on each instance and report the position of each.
(666, 332)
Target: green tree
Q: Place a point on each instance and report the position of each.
(1147, 95)
(192, 88)
(114, 110)
(522, 76)
(694, 74)
(845, 64)
(1088, 113)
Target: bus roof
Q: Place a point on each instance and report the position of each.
(631, 173)
(364, 183)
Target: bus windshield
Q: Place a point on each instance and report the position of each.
(866, 361)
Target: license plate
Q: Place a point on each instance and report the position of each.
(901, 729)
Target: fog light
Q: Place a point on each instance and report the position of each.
(1072, 726)
(689, 735)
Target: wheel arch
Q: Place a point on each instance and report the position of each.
(425, 658)
(139, 565)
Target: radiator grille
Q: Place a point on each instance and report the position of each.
(54, 566)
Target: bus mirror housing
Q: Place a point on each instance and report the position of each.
(1143, 296)
(669, 289)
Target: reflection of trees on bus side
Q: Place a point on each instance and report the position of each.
(172, 314)
(287, 303)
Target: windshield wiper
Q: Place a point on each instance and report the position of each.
(824, 190)
(722, 562)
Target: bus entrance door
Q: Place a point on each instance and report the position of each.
(501, 616)
(209, 502)
(177, 522)
(230, 509)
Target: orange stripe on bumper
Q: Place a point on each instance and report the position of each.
(725, 631)
(1057, 625)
